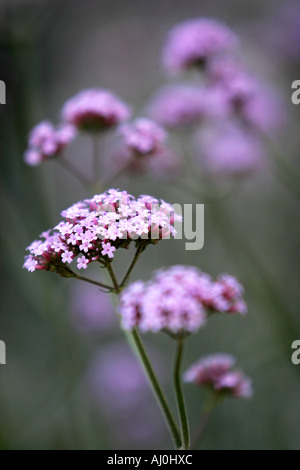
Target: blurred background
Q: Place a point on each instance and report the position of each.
(71, 381)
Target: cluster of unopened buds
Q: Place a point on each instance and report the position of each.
(180, 299)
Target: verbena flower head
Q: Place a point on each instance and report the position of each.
(178, 105)
(178, 300)
(229, 150)
(95, 110)
(216, 372)
(93, 229)
(46, 141)
(143, 136)
(194, 42)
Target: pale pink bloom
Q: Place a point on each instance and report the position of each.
(143, 136)
(177, 300)
(243, 96)
(99, 226)
(33, 157)
(215, 371)
(179, 105)
(194, 42)
(108, 250)
(82, 262)
(95, 110)
(67, 257)
(46, 141)
(229, 150)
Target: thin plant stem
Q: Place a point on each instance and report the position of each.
(132, 264)
(113, 278)
(283, 168)
(84, 180)
(138, 348)
(95, 159)
(179, 396)
(157, 389)
(208, 409)
(115, 174)
(91, 281)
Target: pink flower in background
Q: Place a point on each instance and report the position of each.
(229, 150)
(178, 300)
(95, 110)
(164, 163)
(95, 228)
(178, 105)
(91, 310)
(143, 136)
(116, 387)
(33, 157)
(46, 141)
(215, 371)
(244, 97)
(194, 42)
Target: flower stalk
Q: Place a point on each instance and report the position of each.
(179, 395)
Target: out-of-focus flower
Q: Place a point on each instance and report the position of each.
(243, 96)
(90, 310)
(178, 299)
(95, 228)
(143, 136)
(95, 110)
(229, 150)
(116, 378)
(46, 141)
(117, 388)
(179, 105)
(216, 372)
(143, 149)
(194, 42)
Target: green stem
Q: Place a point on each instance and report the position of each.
(95, 159)
(113, 278)
(138, 348)
(132, 264)
(179, 395)
(91, 281)
(208, 409)
(74, 171)
(157, 389)
(284, 170)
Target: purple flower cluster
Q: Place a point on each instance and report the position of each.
(215, 371)
(45, 141)
(245, 97)
(194, 42)
(229, 150)
(228, 98)
(95, 110)
(143, 137)
(95, 228)
(178, 300)
(179, 105)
